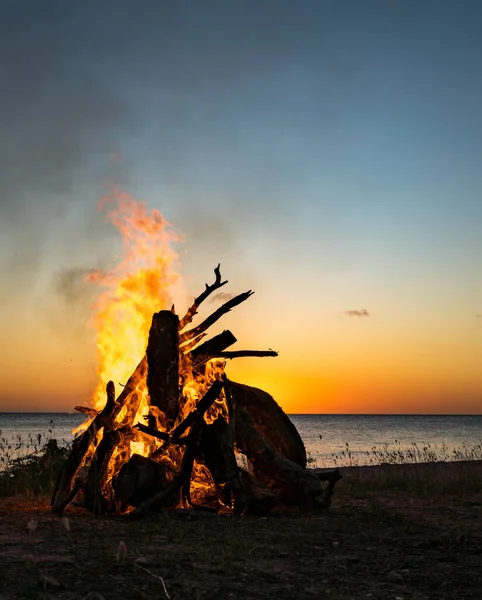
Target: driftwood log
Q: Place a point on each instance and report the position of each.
(252, 452)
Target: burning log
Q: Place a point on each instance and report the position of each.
(62, 492)
(185, 439)
(163, 364)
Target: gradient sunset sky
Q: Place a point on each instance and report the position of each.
(327, 153)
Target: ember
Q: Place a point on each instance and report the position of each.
(180, 433)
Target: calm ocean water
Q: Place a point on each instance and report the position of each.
(325, 436)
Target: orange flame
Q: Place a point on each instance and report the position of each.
(139, 286)
(134, 289)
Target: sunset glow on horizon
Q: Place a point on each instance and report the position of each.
(328, 157)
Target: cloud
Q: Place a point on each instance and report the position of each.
(357, 313)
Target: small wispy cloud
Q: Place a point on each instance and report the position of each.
(357, 313)
(221, 297)
(478, 316)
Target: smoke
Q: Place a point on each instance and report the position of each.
(222, 297)
(56, 107)
(357, 313)
(72, 286)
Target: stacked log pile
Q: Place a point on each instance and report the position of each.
(252, 456)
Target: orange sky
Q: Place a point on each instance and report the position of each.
(328, 361)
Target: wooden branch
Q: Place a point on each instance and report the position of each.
(187, 346)
(201, 407)
(211, 348)
(87, 410)
(163, 364)
(139, 479)
(216, 451)
(244, 353)
(293, 485)
(230, 402)
(216, 315)
(94, 492)
(197, 301)
(171, 494)
(80, 446)
(162, 435)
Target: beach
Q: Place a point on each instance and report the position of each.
(410, 532)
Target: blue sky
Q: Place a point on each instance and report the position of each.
(328, 153)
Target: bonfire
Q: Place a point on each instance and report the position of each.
(180, 434)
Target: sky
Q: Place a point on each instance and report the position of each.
(326, 153)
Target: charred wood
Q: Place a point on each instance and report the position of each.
(270, 420)
(80, 447)
(139, 479)
(256, 499)
(244, 354)
(197, 301)
(294, 485)
(215, 316)
(94, 491)
(86, 410)
(163, 364)
(216, 451)
(212, 348)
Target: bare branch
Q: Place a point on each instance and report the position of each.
(216, 315)
(197, 301)
(86, 410)
(245, 353)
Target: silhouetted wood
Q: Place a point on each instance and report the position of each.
(274, 459)
(270, 420)
(86, 410)
(244, 354)
(187, 346)
(216, 315)
(256, 498)
(163, 365)
(80, 446)
(94, 498)
(216, 451)
(139, 479)
(201, 407)
(212, 348)
(197, 301)
(293, 485)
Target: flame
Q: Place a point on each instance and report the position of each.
(133, 290)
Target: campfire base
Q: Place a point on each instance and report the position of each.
(195, 459)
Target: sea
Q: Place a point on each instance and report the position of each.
(330, 440)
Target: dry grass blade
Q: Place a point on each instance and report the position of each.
(121, 553)
(156, 576)
(32, 526)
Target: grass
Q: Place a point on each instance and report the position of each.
(398, 455)
(30, 467)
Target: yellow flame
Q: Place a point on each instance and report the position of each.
(134, 289)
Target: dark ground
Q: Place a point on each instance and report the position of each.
(375, 543)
